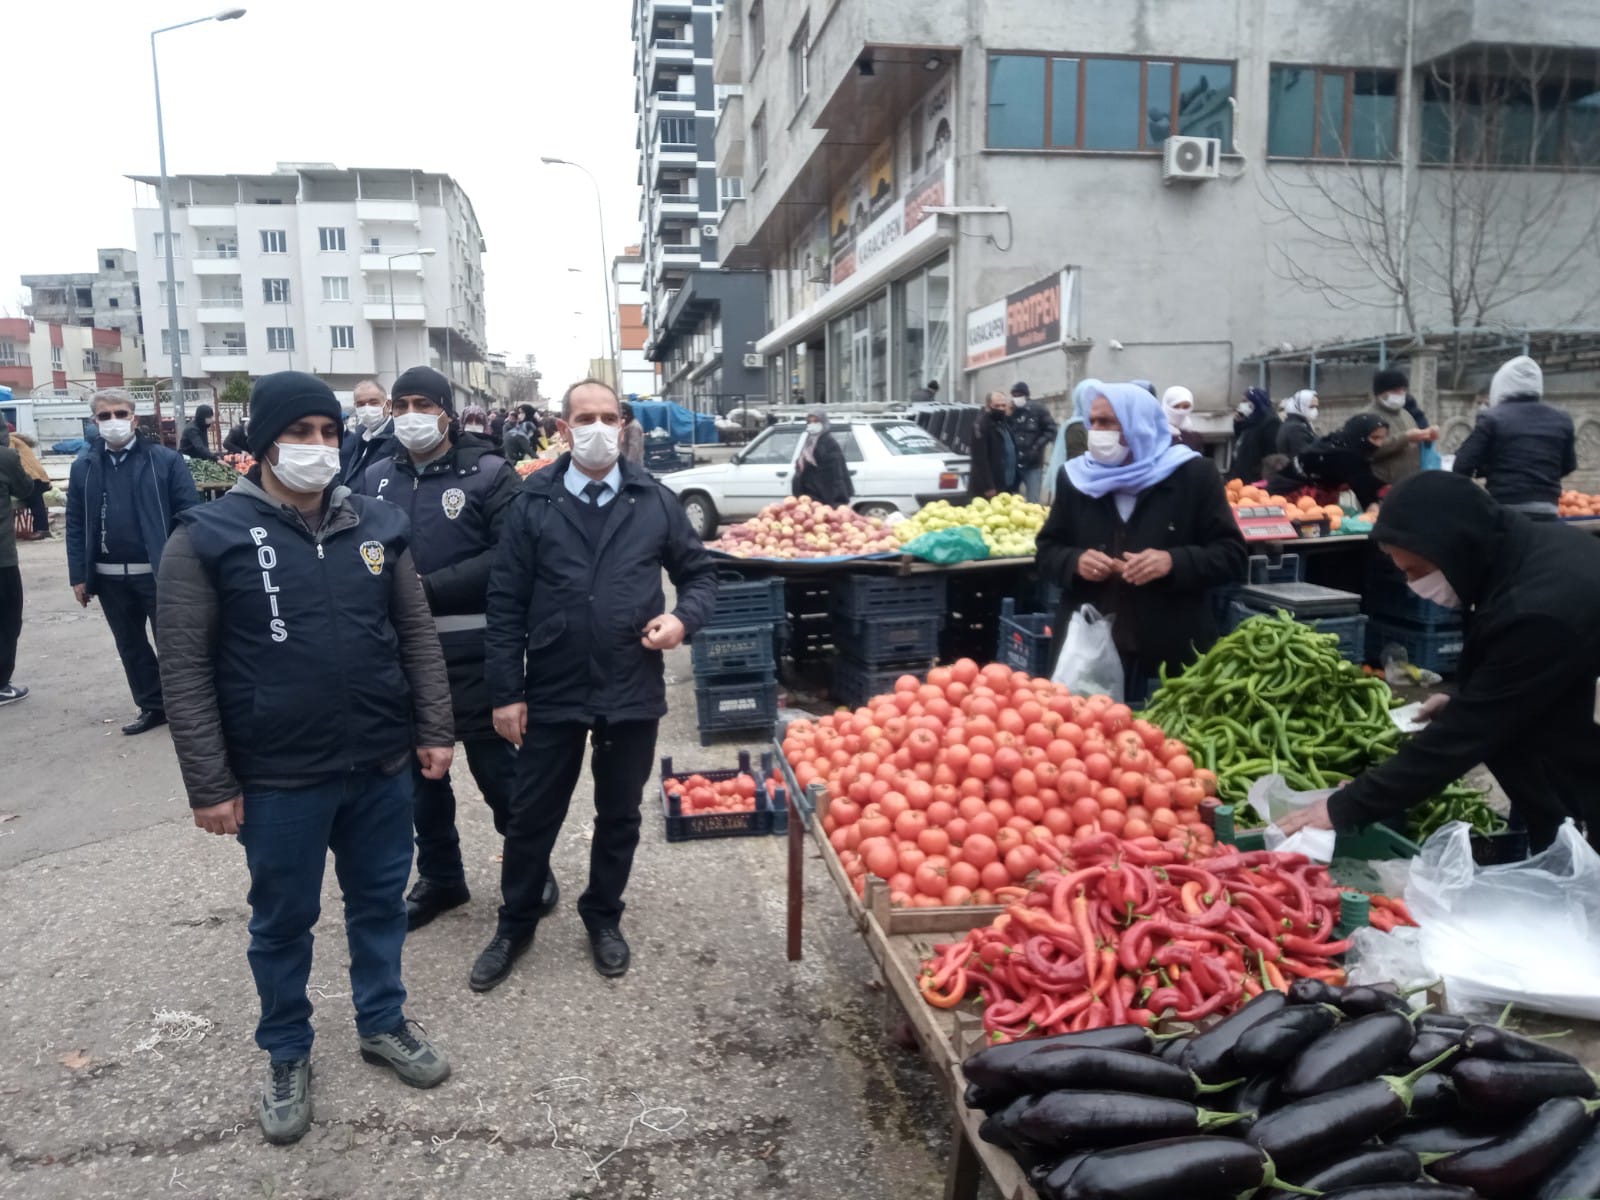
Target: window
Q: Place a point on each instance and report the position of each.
(758, 142)
(91, 360)
(336, 287)
(56, 359)
(274, 241)
(177, 245)
(344, 336)
(676, 131)
(1045, 102)
(756, 27)
(10, 356)
(112, 302)
(280, 338)
(800, 63)
(85, 297)
(849, 443)
(922, 319)
(1332, 112)
(729, 189)
(1539, 118)
(275, 291)
(777, 445)
(166, 341)
(110, 264)
(162, 289)
(903, 437)
(331, 237)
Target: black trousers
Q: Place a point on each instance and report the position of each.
(40, 510)
(10, 620)
(547, 771)
(128, 603)
(493, 763)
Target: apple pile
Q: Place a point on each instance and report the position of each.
(800, 527)
(1008, 522)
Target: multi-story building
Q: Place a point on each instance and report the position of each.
(348, 273)
(692, 308)
(977, 194)
(632, 333)
(106, 298)
(50, 360)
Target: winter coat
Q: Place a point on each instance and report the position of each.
(456, 506)
(15, 487)
(1034, 430)
(828, 481)
(238, 442)
(358, 452)
(1253, 443)
(1340, 461)
(566, 616)
(1398, 458)
(290, 657)
(31, 466)
(1168, 620)
(196, 442)
(1523, 448)
(1295, 435)
(164, 490)
(994, 456)
(633, 442)
(1525, 686)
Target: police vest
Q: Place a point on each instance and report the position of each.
(308, 670)
(447, 507)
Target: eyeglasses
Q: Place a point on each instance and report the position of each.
(113, 414)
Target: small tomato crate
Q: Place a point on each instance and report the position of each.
(688, 827)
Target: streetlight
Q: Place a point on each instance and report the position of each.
(173, 339)
(394, 332)
(605, 261)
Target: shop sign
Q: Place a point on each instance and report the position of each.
(986, 334)
(1036, 317)
(881, 235)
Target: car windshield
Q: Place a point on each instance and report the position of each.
(776, 445)
(902, 437)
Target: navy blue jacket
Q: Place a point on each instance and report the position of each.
(566, 616)
(1523, 448)
(357, 453)
(164, 488)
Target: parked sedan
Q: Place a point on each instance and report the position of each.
(895, 466)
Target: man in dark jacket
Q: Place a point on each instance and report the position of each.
(1522, 446)
(1400, 456)
(455, 490)
(577, 626)
(994, 450)
(303, 678)
(374, 440)
(1525, 696)
(196, 439)
(820, 471)
(15, 486)
(1034, 431)
(124, 496)
(238, 439)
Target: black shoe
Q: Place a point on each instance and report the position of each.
(610, 951)
(147, 720)
(551, 895)
(428, 900)
(496, 961)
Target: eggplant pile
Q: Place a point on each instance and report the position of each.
(1342, 1092)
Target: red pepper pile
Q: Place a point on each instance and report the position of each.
(1134, 933)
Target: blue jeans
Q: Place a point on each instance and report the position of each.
(365, 819)
(1028, 483)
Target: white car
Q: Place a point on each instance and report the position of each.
(895, 466)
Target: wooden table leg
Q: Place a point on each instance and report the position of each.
(796, 877)
(961, 1181)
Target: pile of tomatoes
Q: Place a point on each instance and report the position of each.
(948, 787)
(697, 794)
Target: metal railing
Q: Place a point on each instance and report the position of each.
(10, 356)
(224, 351)
(233, 253)
(221, 301)
(383, 298)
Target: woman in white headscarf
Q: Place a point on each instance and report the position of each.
(1178, 403)
(1299, 428)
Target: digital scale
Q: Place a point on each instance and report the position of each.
(1301, 600)
(1264, 523)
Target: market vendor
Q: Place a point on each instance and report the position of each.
(1140, 528)
(1526, 687)
(1335, 464)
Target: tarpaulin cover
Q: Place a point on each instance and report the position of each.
(676, 420)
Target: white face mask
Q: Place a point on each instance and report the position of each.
(370, 416)
(418, 432)
(594, 446)
(1178, 418)
(473, 428)
(117, 434)
(1245, 408)
(813, 427)
(1019, 401)
(1393, 401)
(1311, 413)
(1435, 587)
(1106, 448)
(305, 468)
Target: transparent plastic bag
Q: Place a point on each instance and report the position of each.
(1526, 933)
(1389, 958)
(1089, 664)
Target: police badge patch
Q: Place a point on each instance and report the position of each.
(454, 500)
(372, 555)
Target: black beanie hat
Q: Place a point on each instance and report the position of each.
(1389, 380)
(425, 381)
(282, 398)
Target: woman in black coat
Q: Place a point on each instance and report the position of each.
(1141, 529)
(1255, 429)
(1340, 462)
(820, 471)
(994, 450)
(1299, 428)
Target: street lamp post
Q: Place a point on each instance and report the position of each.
(605, 262)
(174, 339)
(394, 329)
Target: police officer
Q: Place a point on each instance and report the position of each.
(303, 678)
(455, 487)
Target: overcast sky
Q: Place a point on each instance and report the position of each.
(478, 89)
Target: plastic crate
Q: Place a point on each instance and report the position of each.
(688, 827)
(732, 649)
(888, 639)
(863, 597)
(1351, 854)
(1433, 649)
(747, 601)
(736, 702)
(1351, 631)
(809, 636)
(1025, 639)
(854, 683)
(1386, 595)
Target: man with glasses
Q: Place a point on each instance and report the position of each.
(123, 499)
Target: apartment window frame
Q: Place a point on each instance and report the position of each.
(1348, 76)
(57, 359)
(161, 245)
(275, 291)
(1146, 144)
(800, 63)
(729, 189)
(684, 127)
(755, 30)
(331, 239)
(109, 264)
(341, 337)
(274, 241)
(280, 339)
(758, 142)
(1481, 136)
(91, 359)
(343, 285)
(166, 341)
(161, 292)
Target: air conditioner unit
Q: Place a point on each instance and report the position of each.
(755, 361)
(1190, 158)
(708, 231)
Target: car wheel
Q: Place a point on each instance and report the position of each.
(882, 511)
(702, 514)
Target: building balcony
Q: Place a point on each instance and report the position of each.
(401, 259)
(673, 206)
(216, 262)
(222, 360)
(212, 216)
(666, 59)
(733, 230)
(730, 136)
(406, 212)
(727, 51)
(669, 104)
(407, 309)
(221, 310)
(666, 259)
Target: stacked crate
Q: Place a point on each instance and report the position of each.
(1430, 633)
(884, 626)
(1025, 640)
(735, 662)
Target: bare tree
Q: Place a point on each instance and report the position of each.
(523, 381)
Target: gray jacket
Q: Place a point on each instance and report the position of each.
(1523, 448)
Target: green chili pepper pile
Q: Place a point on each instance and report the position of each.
(204, 471)
(1458, 802)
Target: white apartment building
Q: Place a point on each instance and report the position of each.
(628, 286)
(314, 268)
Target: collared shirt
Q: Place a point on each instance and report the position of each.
(383, 430)
(576, 481)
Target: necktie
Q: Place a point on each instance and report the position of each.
(593, 491)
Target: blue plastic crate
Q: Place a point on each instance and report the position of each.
(732, 649)
(854, 683)
(687, 827)
(888, 638)
(1433, 649)
(1025, 638)
(736, 702)
(1351, 631)
(1385, 595)
(747, 601)
(860, 597)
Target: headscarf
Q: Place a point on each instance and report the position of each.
(1356, 431)
(1301, 403)
(1082, 398)
(1450, 521)
(1170, 399)
(1260, 408)
(1153, 455)
(1147, 386)
(808, 452)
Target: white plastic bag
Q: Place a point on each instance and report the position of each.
(1525, 933)
(1273, 798)
(1089, 664)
